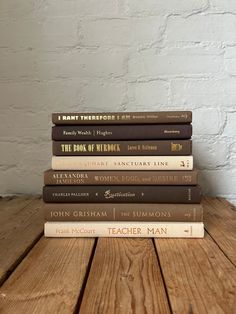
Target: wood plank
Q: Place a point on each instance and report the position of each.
(49, 279)
(220, 223)
(198, 276)
(21, 226)
(125, 278)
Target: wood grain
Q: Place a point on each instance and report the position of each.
(198, 276)
(21, 226)
(220, 223)
(124, 278)
(49, 279)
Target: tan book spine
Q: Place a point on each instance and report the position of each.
(123, 212)
(90, 177)
(122, 163)
(124, 229)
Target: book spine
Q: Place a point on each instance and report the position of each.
(123, 212)
(91, 177)
(122, 194)
(80, 148)
(126, 132)
(122, 162)
(122, 117)
(124, 229)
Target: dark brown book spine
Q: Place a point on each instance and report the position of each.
(53, 177)
(124, 132)
(122, 194)
(123, 212)
(123, 117)
(106, 148)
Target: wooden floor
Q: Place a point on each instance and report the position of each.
(40, 275)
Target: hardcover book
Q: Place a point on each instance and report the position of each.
(124, 132)
(124, 229)
(106, 177)
(122, 194)
(122, 162)
(105, 148)
(123, 212)
(122, 117)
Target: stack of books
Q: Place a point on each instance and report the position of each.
(122, 175)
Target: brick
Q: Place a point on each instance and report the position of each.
(224, 6)
(229, 129)
(80, 8)
(202, 28)
(210, 154)
(150, 94)
(40, 96)
(52, 96)
(180, 62)
(16, 9)
(24, 155)
(121, 32)
(30, 127)
(232, 157)
(43, 34)
(160, 7)
(207, 121)
(24, 181)
(219, 182)
(230, 60)
(99, 96)
(69, 65)
(205, 92)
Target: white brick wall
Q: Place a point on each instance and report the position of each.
(90, 55)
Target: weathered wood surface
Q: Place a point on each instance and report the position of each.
(125, 278)
(50, 278)
(21, 221)
(198, 276)
(220, 223)
(116, 275)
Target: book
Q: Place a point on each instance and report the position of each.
(115, 148)
(125, 229)
(122, 162)
(123, 212)
(122, 194)
(106, 177)
(124, 132)
(122, 117)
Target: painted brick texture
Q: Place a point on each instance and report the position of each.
(121, 55)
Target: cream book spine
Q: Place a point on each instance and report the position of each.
(122, 162)
(124, 229)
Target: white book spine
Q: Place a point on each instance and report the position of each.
(122, 162)
(124, 229)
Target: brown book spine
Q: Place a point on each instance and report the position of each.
(87, 148)
(122, 117)
(180, 177)
(124, 132)
(122, 194)
(123, 212)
